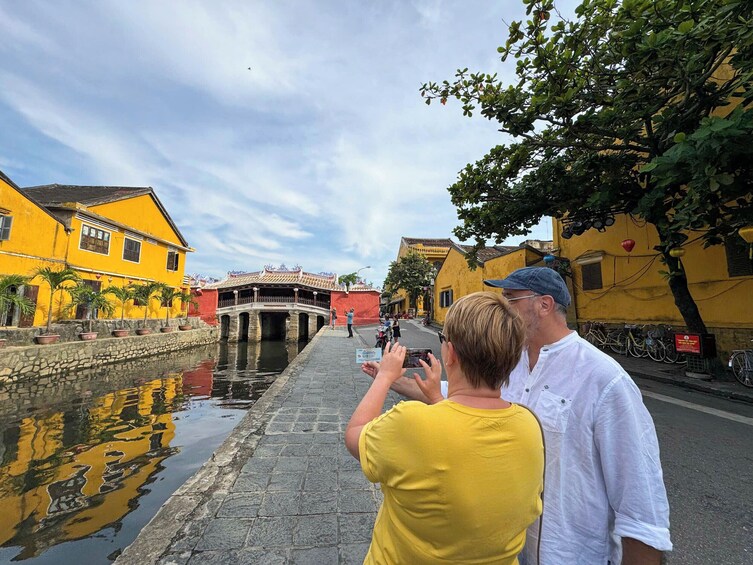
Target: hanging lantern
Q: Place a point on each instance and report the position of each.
(628, 244)
(677, 252)
(549, 258)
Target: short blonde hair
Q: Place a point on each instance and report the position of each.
(488, 337)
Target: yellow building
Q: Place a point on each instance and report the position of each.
(434, 251)
(615, 286)
(456, 279)
(109, 235)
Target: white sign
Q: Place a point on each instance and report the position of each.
(371, 354)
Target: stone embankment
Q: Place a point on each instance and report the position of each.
(34, 361)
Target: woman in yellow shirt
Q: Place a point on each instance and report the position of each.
(461, 477)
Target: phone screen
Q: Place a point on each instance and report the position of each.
(413, 355)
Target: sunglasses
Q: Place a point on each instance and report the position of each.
(514, 298)
(442, 337)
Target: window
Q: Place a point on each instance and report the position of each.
(95, 240)
(738, 258)
(131, 250)
(172, 260)
(592, 276)
(445, 298)
(5, 222)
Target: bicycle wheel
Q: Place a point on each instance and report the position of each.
(617, 342)
(634, 348)
(655, 349)
(670, 353)
(742, 370)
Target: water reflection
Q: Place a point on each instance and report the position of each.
(75, 466)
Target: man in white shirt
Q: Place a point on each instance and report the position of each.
(604, 495)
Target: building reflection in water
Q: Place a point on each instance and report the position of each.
(69, 471)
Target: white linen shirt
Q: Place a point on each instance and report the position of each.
(603, 476)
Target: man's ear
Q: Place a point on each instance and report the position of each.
(547, 304)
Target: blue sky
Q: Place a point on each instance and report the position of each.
(323, 154)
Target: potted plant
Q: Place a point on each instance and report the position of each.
(166, 296)
(93, 301)
(144, 294)
(57, 280)
(186, 301)
(122, 294)
(9, 298)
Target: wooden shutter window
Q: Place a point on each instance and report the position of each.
(5, 223)
(31, 291)
(592, 276)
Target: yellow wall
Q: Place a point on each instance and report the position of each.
(434, 255)
(634, 290)
(456, 275)
(141, 213)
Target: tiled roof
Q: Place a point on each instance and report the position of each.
(428, 242)
(86, 195)
(297, 277)
(487, 253)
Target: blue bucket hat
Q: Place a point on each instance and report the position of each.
(541, 280)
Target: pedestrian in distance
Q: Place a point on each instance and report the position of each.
(461, 477)
(396, 328)
(349, 316)
(333, 317)
(604, 495)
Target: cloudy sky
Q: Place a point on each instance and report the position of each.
(323, 154)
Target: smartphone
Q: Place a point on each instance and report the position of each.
(412, 357)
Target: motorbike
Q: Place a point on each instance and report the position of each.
(426, 321)
(383, 337)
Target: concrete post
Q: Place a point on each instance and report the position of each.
(233, 328)
(291, 335)
(312, 325)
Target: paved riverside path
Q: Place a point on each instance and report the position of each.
(282, 488)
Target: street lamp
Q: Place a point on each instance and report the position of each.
(362, 268)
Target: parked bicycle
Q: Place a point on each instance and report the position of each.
(741, 363)
(638, 341)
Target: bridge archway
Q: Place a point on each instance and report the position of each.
(224, 326)
(320, 322)
(274, 325)
(243, 325)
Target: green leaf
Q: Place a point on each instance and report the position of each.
(679, 137)
(685, 26)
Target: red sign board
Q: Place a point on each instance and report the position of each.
(688, 343)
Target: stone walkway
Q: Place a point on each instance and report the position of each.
(282, 488)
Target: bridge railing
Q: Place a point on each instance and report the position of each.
(229, 302)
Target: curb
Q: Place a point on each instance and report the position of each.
(690, 385)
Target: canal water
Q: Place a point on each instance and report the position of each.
(86, 460)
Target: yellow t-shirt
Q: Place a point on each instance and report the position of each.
(460, 484)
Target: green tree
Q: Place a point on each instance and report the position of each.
(348, 280)
(9, 297)
(93, 301)
(166, 294)
(58, 280)
(624, 108)
(412, 273)
(144, 293)
(122, 294)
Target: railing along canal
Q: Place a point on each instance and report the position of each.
(228, 302)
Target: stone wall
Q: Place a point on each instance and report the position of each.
(33, 361)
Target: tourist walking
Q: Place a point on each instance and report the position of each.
(604, 495)
(464, 484)
(396, 328)
(350, 322)
(333, 317)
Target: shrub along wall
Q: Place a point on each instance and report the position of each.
(31, 361)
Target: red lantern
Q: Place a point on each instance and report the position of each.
(628, 244)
